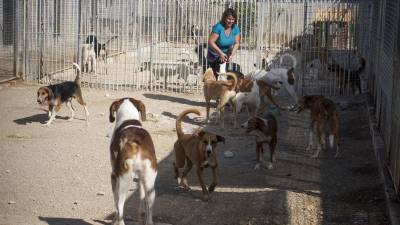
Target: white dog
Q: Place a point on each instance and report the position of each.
(278, 77)
(132, 155)
(88, 58)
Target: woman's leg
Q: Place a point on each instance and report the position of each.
(215, 67)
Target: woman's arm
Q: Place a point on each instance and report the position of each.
(235, 47)
(212, 42)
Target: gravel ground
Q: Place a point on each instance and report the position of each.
(61, 174)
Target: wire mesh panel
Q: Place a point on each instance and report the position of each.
(7, 38)
(161, 45)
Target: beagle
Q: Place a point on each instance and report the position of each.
(198, 149)
(132, 154)
(57, 94)
(324, 119)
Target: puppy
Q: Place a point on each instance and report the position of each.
(221, 91)
(57, 94)
(198, 149)
(132, 154)
(254, 93)
(88, 59)
(347, 77)
(265, 130)
(324, 119)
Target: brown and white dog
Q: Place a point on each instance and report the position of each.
(324, 119)
(132, 155)
(254, 93)
(221, 91)
(265, 130)
(57, 94)
(198, 149)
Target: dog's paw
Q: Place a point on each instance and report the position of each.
(212, 187)
(71, 118)
(315, 156)
(206, 197)
(257, 166)
(269, 166)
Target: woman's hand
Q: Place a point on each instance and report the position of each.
(223, 57)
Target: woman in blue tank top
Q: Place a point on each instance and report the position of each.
(223, 41)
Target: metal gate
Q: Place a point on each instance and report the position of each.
(160, 45)
(9, 15)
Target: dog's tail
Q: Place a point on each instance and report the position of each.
(180, 117)
(78, 73)
(234, 78)
(294, 61)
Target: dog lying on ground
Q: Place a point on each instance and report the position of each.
(55, 95)
(198, 150)
(346, 76)
(132, 154)
(221, 91)
(88, 58)
(324, 119)
(265, 130)
(183, 69)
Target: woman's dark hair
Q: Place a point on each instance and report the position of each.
(228, 12)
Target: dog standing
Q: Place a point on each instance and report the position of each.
(265, 130)
(199, 150)
(347, 76)
(132, 155)
(254, 93)
(57, 94)
(88, 58)
(324, 119)
(221, 91)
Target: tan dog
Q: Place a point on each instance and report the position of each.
(198, 149)
(55, 95)
(221, 91)
(324, 119)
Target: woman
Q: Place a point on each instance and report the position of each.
(223, 41)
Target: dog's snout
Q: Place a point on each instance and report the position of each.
(208, 152)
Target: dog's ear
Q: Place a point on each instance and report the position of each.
(50, 93)
(220, 138)
(140, 107)
(290, 76)
(113, 108)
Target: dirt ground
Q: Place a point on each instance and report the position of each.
(61, 174)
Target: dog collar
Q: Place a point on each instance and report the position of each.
(129, 126)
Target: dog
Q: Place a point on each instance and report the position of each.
(347, 77)
(254, 93)
(221, 91)
(99, 49)
(278, 77)
(183, 69)
(198, 150)
(265, 130)
(88, 58)
(132, 154)
(57, 94)
(324, 119)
